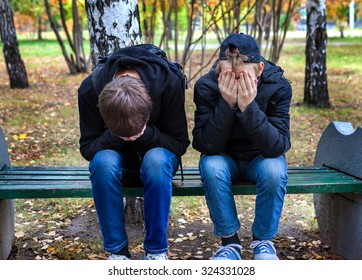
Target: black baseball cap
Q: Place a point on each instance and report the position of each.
(246, 45)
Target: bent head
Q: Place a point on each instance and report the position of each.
(240, 53)
(125, 106)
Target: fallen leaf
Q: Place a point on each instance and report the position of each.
(19, 234)
(182, 221)
(22, 136)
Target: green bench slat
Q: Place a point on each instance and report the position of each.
(16, 179)
(291, 182)
(62, 181)
(15, 173)
(192, 189)
(83, 169)
(44, 177)
(70, 170)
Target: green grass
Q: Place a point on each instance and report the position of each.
(347, 40)
(43, 48)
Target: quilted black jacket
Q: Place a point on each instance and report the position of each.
(262, 128)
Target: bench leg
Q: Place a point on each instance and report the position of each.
(6, 208)
(339, 215)
(340, 223)
(6, 227)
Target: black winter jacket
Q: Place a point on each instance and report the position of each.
(167, 126)
(262, 128)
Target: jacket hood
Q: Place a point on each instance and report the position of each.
(153, 70)
(271, 73)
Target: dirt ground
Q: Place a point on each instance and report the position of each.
(190, 238)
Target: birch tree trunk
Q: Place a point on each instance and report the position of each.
(316, 89)
(113, 25)
(14, 64)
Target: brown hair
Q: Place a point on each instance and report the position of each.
(233, 56)
(125, 106)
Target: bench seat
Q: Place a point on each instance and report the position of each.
(62, 181)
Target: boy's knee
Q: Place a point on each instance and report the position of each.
(106, 160)
(213, 166)
(155, 159)
(158, 162)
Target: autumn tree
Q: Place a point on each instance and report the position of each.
(278, 17)
(338, 11)
(30, 11)
(76, 61)
(316, 89)
(266, 20)
(14, 64)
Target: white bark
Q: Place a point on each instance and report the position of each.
(320, 10)
(112, 25)
(316, 88)
(14, 64)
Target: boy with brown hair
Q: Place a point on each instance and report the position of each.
(133, 129)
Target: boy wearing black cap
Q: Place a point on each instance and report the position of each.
(242, 131)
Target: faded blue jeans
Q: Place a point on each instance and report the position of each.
(109, 170)
(270, 175)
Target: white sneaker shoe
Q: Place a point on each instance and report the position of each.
(154, 257)
(115, 257)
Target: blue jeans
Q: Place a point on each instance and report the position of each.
(109, 170)
(270, 175)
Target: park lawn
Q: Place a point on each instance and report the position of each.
(41, 127)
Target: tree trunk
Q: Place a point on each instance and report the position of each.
(133, 210)
(39, 29)
(316, 90)
(79, 64)
(14, 64)
(114, 25)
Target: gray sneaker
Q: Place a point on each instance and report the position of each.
(115, 257)
(264, 250)
(154, 257)
(228, 252)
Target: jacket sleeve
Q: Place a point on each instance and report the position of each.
(269, 132)
(170, 130)
(94, 136)
(214, 118)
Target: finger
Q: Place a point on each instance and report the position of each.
(253, 83)
(242, 83)
(227, 77)
(232, 79)
(228, 81)
(223, 78)
(239, 88)
(234, 84)
(248, 81)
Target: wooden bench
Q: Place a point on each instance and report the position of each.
(327, 178)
